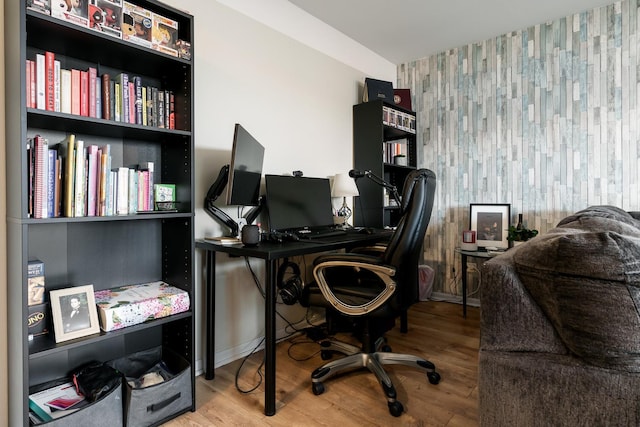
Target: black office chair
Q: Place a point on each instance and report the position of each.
(373, 290)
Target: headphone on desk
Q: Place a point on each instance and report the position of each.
(291, 288)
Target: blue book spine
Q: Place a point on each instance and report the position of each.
(51, 184)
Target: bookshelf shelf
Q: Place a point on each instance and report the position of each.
(105, 251)
(381, 130)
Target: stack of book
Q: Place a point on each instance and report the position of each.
(72, 179)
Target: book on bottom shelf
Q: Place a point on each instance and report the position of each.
(55, 402)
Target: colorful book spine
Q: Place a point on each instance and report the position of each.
(84, 93)
(106, 97)
(75, 92)
(92, 76)
(79, 184)
(57, 88)
(41, 79)
(51, 181)
(50, 93)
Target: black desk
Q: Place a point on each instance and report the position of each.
(271, 252)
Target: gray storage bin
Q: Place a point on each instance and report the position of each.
(104, 412)
(149, 405)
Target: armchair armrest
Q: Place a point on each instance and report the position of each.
(377, 249)
(356, 262)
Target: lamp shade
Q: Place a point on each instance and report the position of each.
(343, 186)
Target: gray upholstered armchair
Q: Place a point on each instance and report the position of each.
(373, 290)
(560, 326)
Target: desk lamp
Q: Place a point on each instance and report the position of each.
(343, 186)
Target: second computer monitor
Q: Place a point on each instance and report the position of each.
(296, 203)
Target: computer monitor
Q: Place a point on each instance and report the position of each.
(245, 171)
(296, 203)
(241, 178)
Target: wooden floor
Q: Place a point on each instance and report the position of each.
(437, 332)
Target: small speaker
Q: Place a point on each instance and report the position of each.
(250, 235)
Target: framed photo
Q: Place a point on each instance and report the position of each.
(491, 222)
(74, 312)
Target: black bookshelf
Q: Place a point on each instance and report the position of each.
(374, 130)
(105, 251)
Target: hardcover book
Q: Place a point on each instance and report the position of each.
(377, 89)
(402, 97)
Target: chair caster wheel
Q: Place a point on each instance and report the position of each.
(325, 354)
(318, 388)
(386, 348)
(396, 408)
(434, 377)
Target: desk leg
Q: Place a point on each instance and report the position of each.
(210, 301)
(270, 340)
(464, 285)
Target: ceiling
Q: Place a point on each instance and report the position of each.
(405, 30)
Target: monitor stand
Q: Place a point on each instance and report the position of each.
(215, 212)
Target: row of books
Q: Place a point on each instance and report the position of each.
(74, 179)
(122, 97)
(392, 149)
(398, 119)
(120, 19)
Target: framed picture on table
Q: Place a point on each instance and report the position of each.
(74, 312)
(491, 223)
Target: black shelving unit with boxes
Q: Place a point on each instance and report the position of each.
(381, 131)
(105, 251)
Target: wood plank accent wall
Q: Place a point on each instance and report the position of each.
(545, 118)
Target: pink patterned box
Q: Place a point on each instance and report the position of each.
(133, 304)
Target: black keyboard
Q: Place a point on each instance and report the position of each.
(320, 233)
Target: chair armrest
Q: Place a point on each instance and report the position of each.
(356, 262)
(377, 249)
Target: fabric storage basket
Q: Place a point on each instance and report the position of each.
(152, 404)
(104, 412)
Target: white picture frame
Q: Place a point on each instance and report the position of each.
(491, 223)
(68, 323)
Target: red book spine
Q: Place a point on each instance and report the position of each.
(172, 111)
(33, 94)
(28, 81)
(92, 91)
(50, 84)
(84, 93)
(75, 91)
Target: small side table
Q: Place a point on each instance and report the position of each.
(473, 254)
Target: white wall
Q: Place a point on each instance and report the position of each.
(294, 99)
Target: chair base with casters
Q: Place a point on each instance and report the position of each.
(374, 361)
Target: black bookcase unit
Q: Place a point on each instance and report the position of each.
(105, 251)
(380, 130)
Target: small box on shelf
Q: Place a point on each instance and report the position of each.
(39, 320)
(35, 282)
